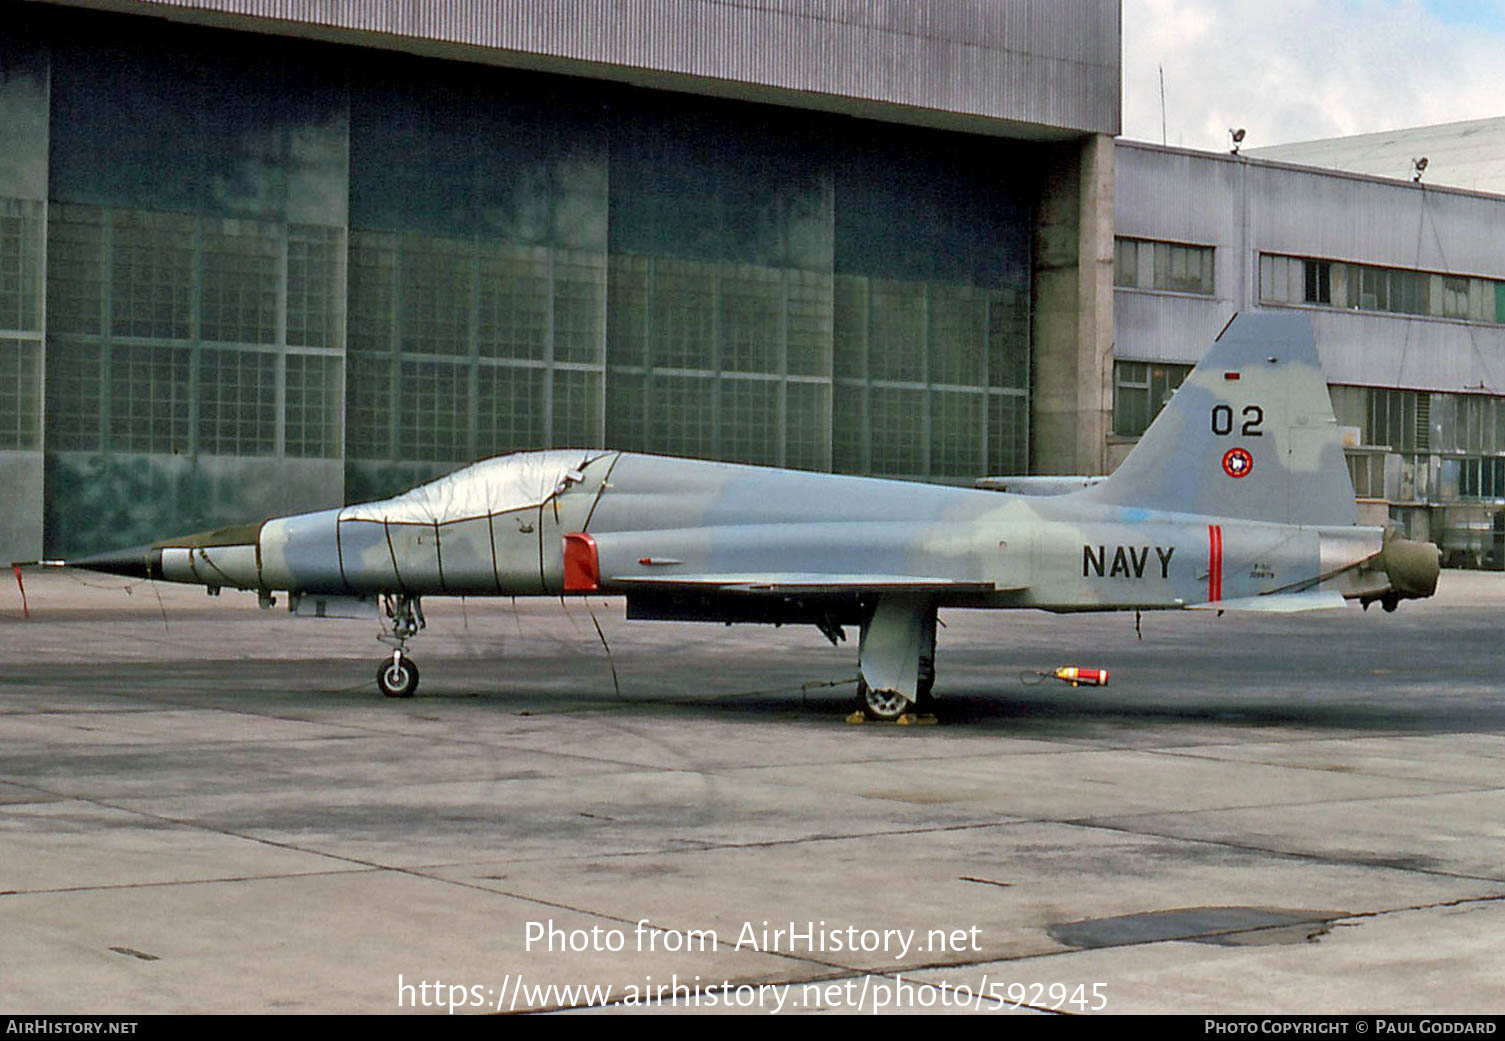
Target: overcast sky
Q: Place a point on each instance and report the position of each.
(1293, 70)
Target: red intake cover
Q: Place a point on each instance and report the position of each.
(582, 569)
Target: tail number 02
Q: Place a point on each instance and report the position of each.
(1222, 420)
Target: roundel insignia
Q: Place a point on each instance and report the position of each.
(1237, 462)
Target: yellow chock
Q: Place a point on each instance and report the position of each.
(908, 719)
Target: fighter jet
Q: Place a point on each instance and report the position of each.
(1236, 498)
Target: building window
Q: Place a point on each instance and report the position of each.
(1367, 472)
(1126, 262)
(1362, 287)
(1318, 282)
(1140, 391)
(1416, 446)
(1143, 264)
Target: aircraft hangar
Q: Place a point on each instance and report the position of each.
(262, 256)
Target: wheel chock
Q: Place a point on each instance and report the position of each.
(908, 719)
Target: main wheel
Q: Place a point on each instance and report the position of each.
(881, 704)
(398, 677)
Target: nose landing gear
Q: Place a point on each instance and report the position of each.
(397, 676)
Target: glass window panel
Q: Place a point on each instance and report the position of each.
(21, 274)
(373, 292)
(435, 412)
(20, 394)
(1318, 284)
(626, 412)
(577, 409)
(368, 424)
(579, 305)
(1131, 398)
(749, 320)
(957, 447)
(1125, 270)
(513, 310)
(509, 409)
(1349, 406)
(749, 421)
(629, 311)
(807, 426)
(1008, 434)
(149, 399)
(684, 316)
(683, 420)
(436, 295)
(897, 424)
(809, 319)
(958, 335)
(151, 274)
(311, 410)
(241, 264)
(896, 332)
(75, 269)
(315, 286)
(237, 402)
(850, 317)
(849, 441)
(1008, 339)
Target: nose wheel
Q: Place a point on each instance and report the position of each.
(397, 676)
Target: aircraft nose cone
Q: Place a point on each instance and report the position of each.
(136, 562)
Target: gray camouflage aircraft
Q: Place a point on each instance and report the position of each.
(1236, 498)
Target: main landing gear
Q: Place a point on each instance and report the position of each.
(889, 705)
(397, 676)
(896, 659)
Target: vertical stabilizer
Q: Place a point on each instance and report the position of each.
(1250, 434)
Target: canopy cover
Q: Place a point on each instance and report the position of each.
(496, 485)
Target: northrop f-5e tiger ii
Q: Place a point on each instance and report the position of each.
(1236, 498)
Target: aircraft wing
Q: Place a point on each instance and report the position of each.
(804, 584)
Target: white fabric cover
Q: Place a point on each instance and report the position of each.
(496, 485)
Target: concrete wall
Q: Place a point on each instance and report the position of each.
(1072, 314)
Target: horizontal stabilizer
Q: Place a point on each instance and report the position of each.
(1275, 603)
(806, 584)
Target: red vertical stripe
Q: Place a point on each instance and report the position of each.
(1214, 562)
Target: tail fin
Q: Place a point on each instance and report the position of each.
(1250, 434)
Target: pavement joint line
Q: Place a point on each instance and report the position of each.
(1442, 790)
(1088, 822)
(221, 880)
(1180, 754)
